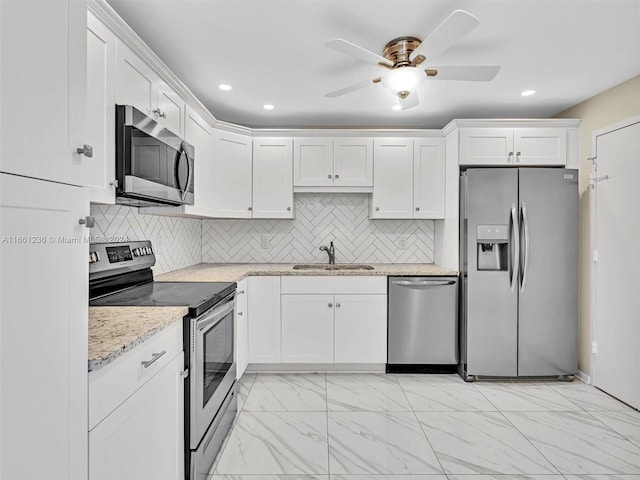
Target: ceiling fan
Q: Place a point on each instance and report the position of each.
(402, 56)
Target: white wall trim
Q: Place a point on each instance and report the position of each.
(316, 367)
(511, 123)
(346, 132)
(232, 127)
(583, 377)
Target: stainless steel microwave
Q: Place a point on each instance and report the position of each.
(154, 166)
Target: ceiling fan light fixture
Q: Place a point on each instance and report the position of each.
(403, 79)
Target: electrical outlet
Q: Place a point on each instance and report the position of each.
(402, 243)
(594, 347)
(265, 242)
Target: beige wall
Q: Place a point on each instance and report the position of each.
(609, 107)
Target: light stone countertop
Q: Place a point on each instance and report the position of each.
(116, 330)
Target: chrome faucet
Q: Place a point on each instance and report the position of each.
(331, 252)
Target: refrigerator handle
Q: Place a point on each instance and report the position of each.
(525, 252)
(515, 239)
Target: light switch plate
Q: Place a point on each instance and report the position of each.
(402, 243)
(265, 242)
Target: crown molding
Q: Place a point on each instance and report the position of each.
(346, 132)
(511, 123)
(232, 127)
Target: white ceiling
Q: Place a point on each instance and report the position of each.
(272, 51)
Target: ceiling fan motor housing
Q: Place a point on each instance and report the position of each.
(399, 50)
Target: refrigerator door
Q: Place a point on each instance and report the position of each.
(548, 315)
(490, 307)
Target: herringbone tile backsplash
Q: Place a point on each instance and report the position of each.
(320, 218)
(176, 241)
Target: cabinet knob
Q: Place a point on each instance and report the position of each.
(510, 157)
(518, 157)
(288, 209)
(337, 176)
(330, 305)
(88, 222)
(377, 209)
(240, 292)
(328, 176)
(417, 209)
(86, 150)
(250, 208)
(114, 184)
(337, 305)
(160, 113)
(239, 314)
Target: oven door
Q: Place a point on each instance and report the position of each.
(212, 371)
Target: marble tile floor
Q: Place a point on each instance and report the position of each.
(426, 427)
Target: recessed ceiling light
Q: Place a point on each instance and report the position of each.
(268, 107)
(225, 87)
(528, 93)
(396, 108)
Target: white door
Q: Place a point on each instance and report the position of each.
(617, 236)
(231, 182)
(486, 146)
(392, 178)
(43, 332)
(313, 162)
(198, 133)
(142, 439)
(264, 320)
(307, 328)
(101, 100)
(361, 329)
(428, 178)
(171, 108)
(137, 83)
(540, 146)
(43, 54)
(272, 178)
(353, 162)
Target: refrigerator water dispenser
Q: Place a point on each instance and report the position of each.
(493, 245)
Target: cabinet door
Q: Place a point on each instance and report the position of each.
(428, 178)
(199, 134)
(272, 178)
(137, 83)
(392, 179)
(307, 328)
(101, 100)
(241, 347)
(353, 162)
(43, 55)
(143, 438)
(313, 162)
(486, 146)
(264, 320)
(231, 182)
(43, 333)
(540, 146)
(361, 329)
(170, 108)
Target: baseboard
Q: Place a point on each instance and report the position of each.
(315, 367)
(583, 377)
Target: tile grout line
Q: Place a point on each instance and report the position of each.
(326, 397)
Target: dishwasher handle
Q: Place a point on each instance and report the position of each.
(422, 283)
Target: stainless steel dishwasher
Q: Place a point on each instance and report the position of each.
(423, 324)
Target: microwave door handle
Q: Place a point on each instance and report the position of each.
(176, 171)
(189, 171)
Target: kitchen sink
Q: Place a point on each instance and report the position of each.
(324, 266)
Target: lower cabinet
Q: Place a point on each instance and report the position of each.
(360, 329)
(307, 328)
(241, 330)
(264, 320)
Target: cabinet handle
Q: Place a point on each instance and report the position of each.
(517, 157)
(250, 208)
(240, 292)
(288, 209)
(86, 150)
(154, 358)
(377, 209)
(510, 157)
(330, 305)
(337, 176)
(337, 305)
(328, 176)
(88, 222)
(417, 209)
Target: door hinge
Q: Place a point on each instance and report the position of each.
(594, 347)
(594, 255)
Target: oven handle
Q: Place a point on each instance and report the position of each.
(215, 316)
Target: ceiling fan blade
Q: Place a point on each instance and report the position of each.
(454, 27)
(352, 88)
(354, 50)
(410, 100)
(475, 73)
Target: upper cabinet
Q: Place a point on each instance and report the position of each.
(139, 85)
(333, 164)
(272, 178)
(409, 178)
(43, 91)
(199, 133)
(513, 146)
(231, 176)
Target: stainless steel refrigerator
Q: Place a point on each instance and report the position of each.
(519, 270)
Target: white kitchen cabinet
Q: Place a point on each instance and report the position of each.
(353, 162)
(231, 183)
(143, 438)
(392, 178)
(429, 178)
(513, 146)
(139, 85)
(264, 320)
(360, 329)
(313, 162)
(43, 52)
(43, 332)
(199, 133)
(101, 100)
(307, 328)
(241, 332)
(272, 178)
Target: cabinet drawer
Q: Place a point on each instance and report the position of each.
(333, 285)
(115, 382)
